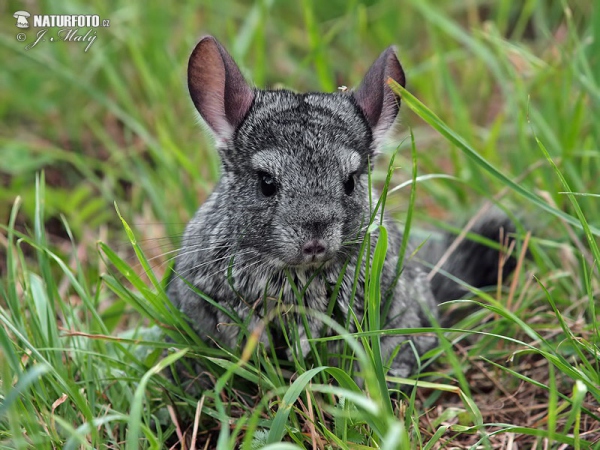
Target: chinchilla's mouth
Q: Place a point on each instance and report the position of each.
(312, 265)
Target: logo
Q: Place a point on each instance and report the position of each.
(79, 28)
(21, 17)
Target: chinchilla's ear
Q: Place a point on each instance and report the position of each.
(217, 87)
(375, 98)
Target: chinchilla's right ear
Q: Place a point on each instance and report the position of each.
(374, 96)
(217, 87)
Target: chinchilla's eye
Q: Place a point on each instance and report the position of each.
(267, 184)
(349, 184)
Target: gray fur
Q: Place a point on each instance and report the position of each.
(310, 144)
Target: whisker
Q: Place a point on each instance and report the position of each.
(187, 271)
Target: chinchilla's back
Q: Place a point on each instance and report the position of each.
(291, 209)
(471, 262)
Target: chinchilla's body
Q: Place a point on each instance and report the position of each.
(292, 207)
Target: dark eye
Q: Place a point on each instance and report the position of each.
(267, 184)
(349, 185)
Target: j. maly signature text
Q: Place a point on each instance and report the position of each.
(65, 35)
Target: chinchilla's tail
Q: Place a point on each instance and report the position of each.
(475, 263)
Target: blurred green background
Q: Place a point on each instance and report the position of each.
(115, 125)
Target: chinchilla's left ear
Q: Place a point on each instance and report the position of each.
(375, 98)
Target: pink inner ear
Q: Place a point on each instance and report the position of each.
(375, 98)
(217, 87)
(206, 82)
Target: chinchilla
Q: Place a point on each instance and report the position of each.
(291, 209)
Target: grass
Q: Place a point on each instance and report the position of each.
(503, 101)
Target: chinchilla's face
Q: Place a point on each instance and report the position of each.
(298, 170)
(295, 166)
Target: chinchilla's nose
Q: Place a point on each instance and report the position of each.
(314, 248)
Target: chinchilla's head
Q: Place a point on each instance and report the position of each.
(295, 166)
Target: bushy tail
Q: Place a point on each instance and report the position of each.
(474, 263)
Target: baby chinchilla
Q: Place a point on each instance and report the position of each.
(292, 207)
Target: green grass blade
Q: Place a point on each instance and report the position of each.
(428, 116)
